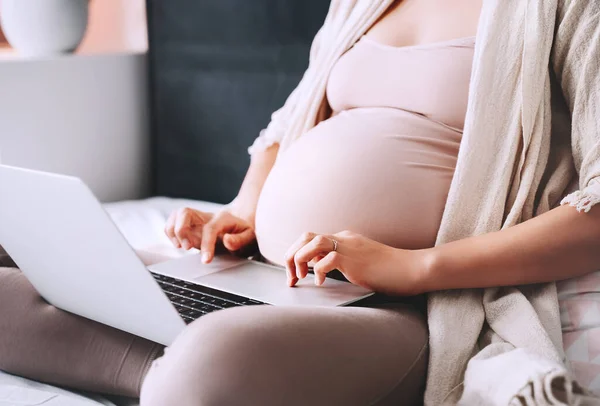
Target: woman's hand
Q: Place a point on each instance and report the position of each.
(363, 262)
(234, 224)
(188, 228)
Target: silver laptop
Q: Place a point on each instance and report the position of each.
(66, 244)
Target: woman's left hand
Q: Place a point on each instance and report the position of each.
(363, 262)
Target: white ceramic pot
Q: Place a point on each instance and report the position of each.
(44, 27)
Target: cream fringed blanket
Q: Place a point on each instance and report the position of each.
(536, 69)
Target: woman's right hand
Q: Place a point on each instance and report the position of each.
(189, 228)
(234, 224)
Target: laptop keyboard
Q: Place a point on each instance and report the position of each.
(193, 301)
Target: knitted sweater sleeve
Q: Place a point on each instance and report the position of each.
(576, 62)
(276, 129)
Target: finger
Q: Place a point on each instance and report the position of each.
(183, 227)
(330, 262)
(210, 233)
(320, 245)
(170, 230)
(194, 236)
(234, 242)
(197, 227)
(290, 265)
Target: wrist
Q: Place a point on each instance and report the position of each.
(242, 208)
(427, 264)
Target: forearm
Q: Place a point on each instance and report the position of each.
(244, 205)
(560, 244)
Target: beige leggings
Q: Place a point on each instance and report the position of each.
(41, 342)
(245, 356)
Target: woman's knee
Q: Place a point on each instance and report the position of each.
(217, 360)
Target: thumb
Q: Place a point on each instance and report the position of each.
(236, 241)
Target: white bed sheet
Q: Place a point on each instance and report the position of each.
(142, 223)
(17, 391)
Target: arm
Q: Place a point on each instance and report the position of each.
(559, 244)
(244, 205)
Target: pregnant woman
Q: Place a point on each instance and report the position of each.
(427, 148)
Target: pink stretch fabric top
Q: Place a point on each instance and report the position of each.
(382, 164)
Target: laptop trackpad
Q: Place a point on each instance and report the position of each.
(191, 267)
(269, 284)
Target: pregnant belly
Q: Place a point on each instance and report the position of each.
(383, 173)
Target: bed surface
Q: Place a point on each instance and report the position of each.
(24, 392)
(142, 223)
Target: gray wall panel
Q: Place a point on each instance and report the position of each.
(219, 68)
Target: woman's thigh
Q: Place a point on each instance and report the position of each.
(295, 356)
(44, 343)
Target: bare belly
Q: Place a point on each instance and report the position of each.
(381, 172)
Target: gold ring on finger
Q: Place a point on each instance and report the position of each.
(335, 244)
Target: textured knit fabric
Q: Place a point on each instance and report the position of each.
(394, 112)
(522, 146)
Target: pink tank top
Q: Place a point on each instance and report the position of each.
(382, 164)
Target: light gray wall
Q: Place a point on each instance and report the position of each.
(84, 115)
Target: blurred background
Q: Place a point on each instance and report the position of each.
(113, 26)
(143, 98)
(79, 112)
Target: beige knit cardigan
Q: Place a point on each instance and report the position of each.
(532, 128)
